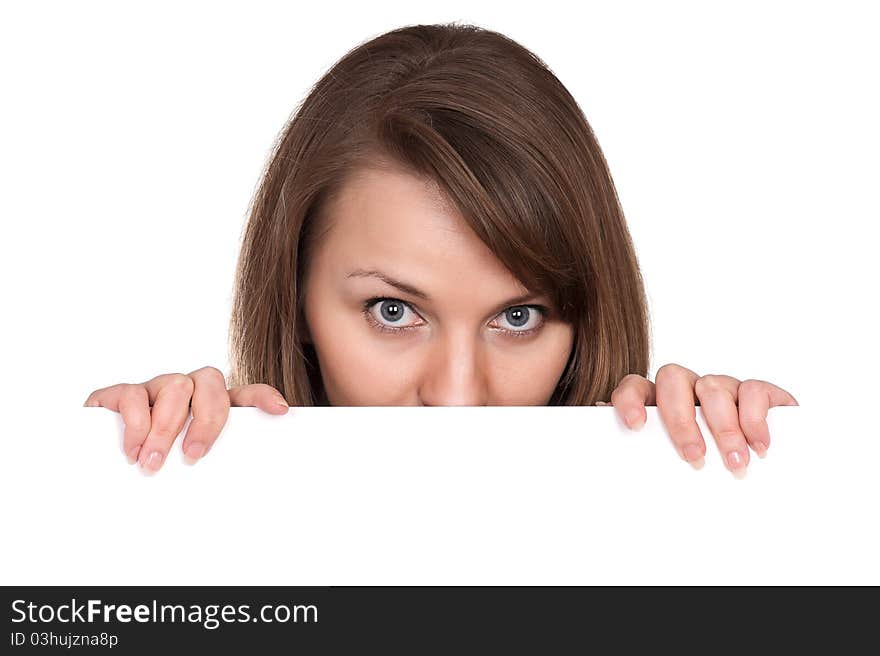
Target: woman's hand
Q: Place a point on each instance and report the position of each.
(736, 411)
(149, 432)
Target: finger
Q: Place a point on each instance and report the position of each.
(630, 397)
(755, 398)
(172, 394)
(258, 395)
(133, 403)
(718, 398)
(106, 397)
(779, 396)
(94, 399)
(210, 410)
(674, 387)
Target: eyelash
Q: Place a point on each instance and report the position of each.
(517, 334)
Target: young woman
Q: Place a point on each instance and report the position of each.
(437, 225)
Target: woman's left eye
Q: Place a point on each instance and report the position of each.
(522, 319)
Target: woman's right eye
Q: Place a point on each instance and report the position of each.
(389, 314)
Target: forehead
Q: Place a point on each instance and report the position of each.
(391, 217)
(397, 203)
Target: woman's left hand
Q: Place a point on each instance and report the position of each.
(736, 411)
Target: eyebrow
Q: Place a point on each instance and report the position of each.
(414, 291)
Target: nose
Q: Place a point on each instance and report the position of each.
(454, 373)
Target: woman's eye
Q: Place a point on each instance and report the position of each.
(391, 313)
(521, 319)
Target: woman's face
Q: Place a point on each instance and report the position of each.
(406, 306)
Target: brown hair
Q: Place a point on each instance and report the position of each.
(489, 122)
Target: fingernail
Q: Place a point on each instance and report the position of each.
(634, 420)
(693, 454)
(737, 464)
(153, 461)
(761, 449)
(193, 452)
(133, 455)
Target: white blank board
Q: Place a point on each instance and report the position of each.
(437, 496)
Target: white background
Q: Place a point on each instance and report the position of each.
(743, 141)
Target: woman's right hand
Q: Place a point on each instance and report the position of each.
(150, 431)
